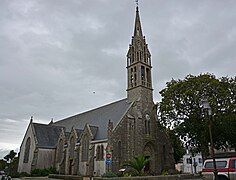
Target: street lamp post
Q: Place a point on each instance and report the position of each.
(207, 107)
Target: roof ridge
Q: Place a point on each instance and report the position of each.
(85, 112)
(48, 125)
(91, 125)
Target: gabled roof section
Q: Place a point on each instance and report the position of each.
(79, 132)
(94, 130)
(98, 117)
(46, 135)
(67, 135)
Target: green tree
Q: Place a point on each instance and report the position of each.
(10, 156)
(177, 144)
(12, 163)
(3, 164)
(180, 109)
(137, 163)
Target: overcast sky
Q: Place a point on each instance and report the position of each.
(62, 57)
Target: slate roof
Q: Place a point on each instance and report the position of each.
(98, 117)
(67, 135)
(79, 132)
(94, 130)
(46, 135)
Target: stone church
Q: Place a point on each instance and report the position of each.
(102, 139)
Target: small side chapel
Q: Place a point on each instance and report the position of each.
(102, 139)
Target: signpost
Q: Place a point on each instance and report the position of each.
(108, 155)
(108, 160)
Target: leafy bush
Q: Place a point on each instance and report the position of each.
(165, 172)
(24, 174)
(43, 172)
(126, 175)
(14, 174)
(39, 172)
(109, 175)
(52, 170)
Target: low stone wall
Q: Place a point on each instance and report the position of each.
(167, 177)
(67, 177)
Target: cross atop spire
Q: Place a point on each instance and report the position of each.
(137, 27)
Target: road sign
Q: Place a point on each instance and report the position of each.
(108, 161)
(108, 156)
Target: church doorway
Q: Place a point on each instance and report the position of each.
(149, 154)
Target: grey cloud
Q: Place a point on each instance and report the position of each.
(55, 54)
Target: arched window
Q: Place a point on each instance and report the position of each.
(85, 148)
(98, 153)
(102, 152)
(27, 150)
(148, 75)
(60, 151)
(119, 149)
(119, 152)
(72, 147)
(164, 154)
(142, 73)
(147, 125)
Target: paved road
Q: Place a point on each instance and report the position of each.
(58, 179)
(45, 178)
(34, 179)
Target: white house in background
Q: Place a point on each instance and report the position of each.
(189, 160)
(192, 163)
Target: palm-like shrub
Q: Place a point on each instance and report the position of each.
(137, 163)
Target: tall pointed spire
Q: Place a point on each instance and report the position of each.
(137, 27)
(139, 65)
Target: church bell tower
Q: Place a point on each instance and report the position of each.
(139, 66)
(137, 133)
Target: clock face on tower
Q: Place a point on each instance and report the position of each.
(147, 116)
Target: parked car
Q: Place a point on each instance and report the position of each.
(226, 168)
